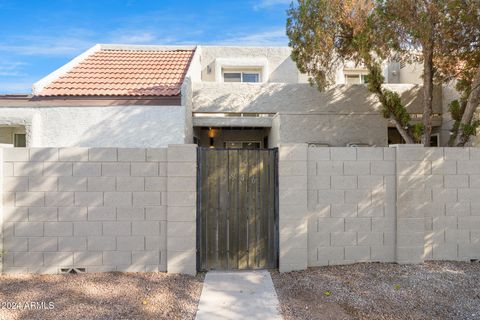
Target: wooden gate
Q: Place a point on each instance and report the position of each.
(237, 220)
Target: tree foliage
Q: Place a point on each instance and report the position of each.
(458, 59)
(324, 34)
(441, 34)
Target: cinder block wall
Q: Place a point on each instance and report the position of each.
(351, 202)
(406, 204)
(102, 209)
(439, 187)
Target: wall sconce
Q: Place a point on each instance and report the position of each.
(212, 133)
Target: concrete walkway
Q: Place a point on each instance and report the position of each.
(238, 295)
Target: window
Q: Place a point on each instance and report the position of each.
(250, 77)
(435, 140)
(232, 77)
(19, 140)
(352, 79)
(364, 78)
(241, 77)
(356, 78)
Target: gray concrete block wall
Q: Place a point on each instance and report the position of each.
(441, 184)
(351, 205)
(182, 208)
(406, 204)
(134, 209)
(103, 209)
(293, 220)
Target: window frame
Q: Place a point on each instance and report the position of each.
(15, 135)
(360, 76)
(242, 73)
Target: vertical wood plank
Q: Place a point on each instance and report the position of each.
(271, 209)
(252, 212)
(264, 221)
(222, 191)
(243, 210)
(212, 244)
(237, 209)
(203, 209)
(233, 212)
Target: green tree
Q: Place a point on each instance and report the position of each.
(412, 30)
(458, 59)
(324, 34)
(441, 34)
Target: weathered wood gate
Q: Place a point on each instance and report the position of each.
(237, 220)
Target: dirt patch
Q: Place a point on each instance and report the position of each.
(100, 296)
(433, 290)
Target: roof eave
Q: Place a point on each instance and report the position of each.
(45, 81)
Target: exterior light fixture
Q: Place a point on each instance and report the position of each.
(211, 134)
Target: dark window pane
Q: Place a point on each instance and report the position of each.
(232, 77)
(20, 140)
(251, 77)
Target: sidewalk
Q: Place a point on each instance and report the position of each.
(238, 295)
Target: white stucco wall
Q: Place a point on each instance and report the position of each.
(411, 73)
(117, 126)
(334, 130)
(280, 67)
(300, 97)
(340, 115)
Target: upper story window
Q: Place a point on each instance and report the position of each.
(241, 76)
(19, 140)
(356, 78)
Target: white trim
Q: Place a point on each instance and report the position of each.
(256, 62)
(45, 81)
(195, 62)
(259, 73)
(136, 47)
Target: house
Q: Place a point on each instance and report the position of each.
(151, 96)
(112, 178)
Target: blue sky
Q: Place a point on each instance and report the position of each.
(36, 37)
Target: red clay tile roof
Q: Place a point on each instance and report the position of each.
(116, 72)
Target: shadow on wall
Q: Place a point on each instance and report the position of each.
(283, 97)
(133, 126)
(280, 97)
(334, 130)
(287, 66)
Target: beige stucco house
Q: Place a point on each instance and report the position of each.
(223, 96)
(188, 158)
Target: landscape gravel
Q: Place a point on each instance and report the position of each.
(433, 290)
(99, 296)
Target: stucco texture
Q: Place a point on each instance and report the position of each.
(118, 126)
(340, 115)
(301, 98)
(281, 67)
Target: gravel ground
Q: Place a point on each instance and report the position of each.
(434, 290)
(102, 296)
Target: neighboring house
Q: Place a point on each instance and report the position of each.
(152, 96)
